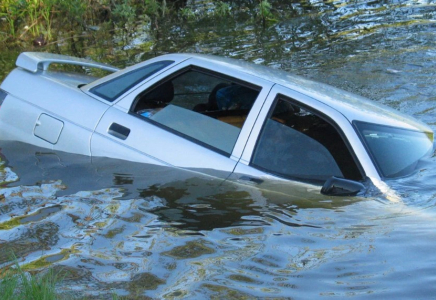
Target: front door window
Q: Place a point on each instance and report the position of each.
(297, 143)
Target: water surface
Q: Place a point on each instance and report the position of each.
(141, 230)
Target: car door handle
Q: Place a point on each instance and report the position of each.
(119, 131)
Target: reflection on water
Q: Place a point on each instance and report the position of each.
(138, 225)
(112, 226)
(137, 229)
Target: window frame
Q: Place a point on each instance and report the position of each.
(166, 64)
(280, 96)
(356, 125)
(203, 70)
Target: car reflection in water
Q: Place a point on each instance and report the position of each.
(187, 199)
(109, 224)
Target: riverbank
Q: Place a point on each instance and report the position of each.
(120, 32)
(49, 22)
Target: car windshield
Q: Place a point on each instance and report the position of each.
(395, 151)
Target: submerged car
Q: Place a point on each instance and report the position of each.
(218, 116)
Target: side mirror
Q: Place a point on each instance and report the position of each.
(335, 186)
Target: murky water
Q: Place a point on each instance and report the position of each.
(116, 227)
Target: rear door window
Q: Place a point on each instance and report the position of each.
(205, 107)
(299, 143)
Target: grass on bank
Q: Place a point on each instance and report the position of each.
(19, 285)
(45, 19)
(16, 284)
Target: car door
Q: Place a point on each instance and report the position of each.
(189, 117)
(300, 139)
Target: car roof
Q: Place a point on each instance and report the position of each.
(353, 107)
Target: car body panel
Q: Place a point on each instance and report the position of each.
(153, 141)
(153, 144)
(48, 128)
(40, 61)
(26, 103)
(58, 110)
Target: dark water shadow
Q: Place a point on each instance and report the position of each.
(192, 201)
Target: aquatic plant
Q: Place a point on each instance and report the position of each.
(153, 7)
(222, 9)
(155, 11)
(36, 16)
(46, 20)
(124, 12)
(12, 11)
(188, 13)
(31, 18)
(265, 11)
(17, 284)
(76, 11)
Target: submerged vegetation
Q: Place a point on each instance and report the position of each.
(32, 18)
(124, 32)
(43, 22)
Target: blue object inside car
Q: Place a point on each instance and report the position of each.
(235, 97)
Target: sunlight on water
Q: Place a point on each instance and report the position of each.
(179, 239)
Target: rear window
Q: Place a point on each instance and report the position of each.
(112, 89)
(395, 151)
(206, 107)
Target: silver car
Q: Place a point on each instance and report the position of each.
(218, 116)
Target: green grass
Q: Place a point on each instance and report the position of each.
(19, 285)
(16, 284)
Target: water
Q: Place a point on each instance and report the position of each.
(116, 227)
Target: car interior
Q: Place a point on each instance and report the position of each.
(200, 96)
(208, 108)
(297, 143)
(294, 142)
